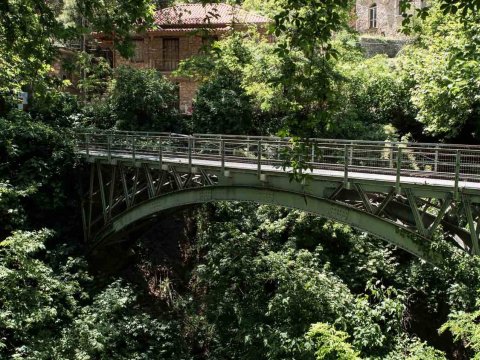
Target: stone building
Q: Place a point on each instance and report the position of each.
(180, 32)
(381, 17)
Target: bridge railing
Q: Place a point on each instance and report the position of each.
(439, 161)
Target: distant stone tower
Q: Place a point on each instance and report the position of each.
(381, 17)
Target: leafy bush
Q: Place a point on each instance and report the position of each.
(222, 107)
(143, 99)
(35, 301)
(38, 158)
(443, 76)
(330, 344)
(465, 327)
(113, 327)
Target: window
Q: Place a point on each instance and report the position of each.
(170, 54)
(138, 51)
(372, 16)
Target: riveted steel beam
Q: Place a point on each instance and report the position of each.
(102, 192)
(112, 190)
(389, 231)
(443, 210)
(123, 179)
(467, 206)
(416, 214)
(385, 202)
(365, 199)
(150, 186)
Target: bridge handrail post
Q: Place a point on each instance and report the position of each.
(390, 156)
(399, 169)
(190, 154)
(346, 163)
(160, 152)
(435, 165)
(457, 173)
(109, 147)
(259, 158)
(87, 144)
(222, 150)
(133, 147)
(350, 157)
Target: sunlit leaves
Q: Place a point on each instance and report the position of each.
(330, 343)
(443, 68)
(32, 297)
(464, 327)
(309, 25)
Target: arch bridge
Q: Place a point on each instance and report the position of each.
(403, 193)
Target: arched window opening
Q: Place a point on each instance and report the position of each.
(372, 16)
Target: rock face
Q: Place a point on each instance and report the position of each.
(388, 17)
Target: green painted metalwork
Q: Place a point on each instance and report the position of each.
(354, 182)
(361, 220)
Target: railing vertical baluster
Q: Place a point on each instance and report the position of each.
(190, 154)
(278, 150)
(222, 150)
(160, 152)
(133, 147)
(399, 169)
(87, 143)
(435, 166)
(457, 173)
(259, 158)
(109, 147)
(346, 162)
(391, 156)
(350, 157)
(313, 153)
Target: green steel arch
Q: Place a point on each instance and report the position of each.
(368, 222)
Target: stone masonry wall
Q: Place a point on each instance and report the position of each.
(378, 45)
(389, 21)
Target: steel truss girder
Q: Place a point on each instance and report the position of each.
(132, 185)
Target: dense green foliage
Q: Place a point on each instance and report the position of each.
(134, 100)
(230, 280)
(144, 100)
(444, 84)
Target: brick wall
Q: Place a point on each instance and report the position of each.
(152, 51)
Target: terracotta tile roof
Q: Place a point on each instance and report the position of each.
(189, 29)
(191, 15)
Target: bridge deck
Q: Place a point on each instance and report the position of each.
(325, 173)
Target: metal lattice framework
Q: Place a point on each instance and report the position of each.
(400, 192)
